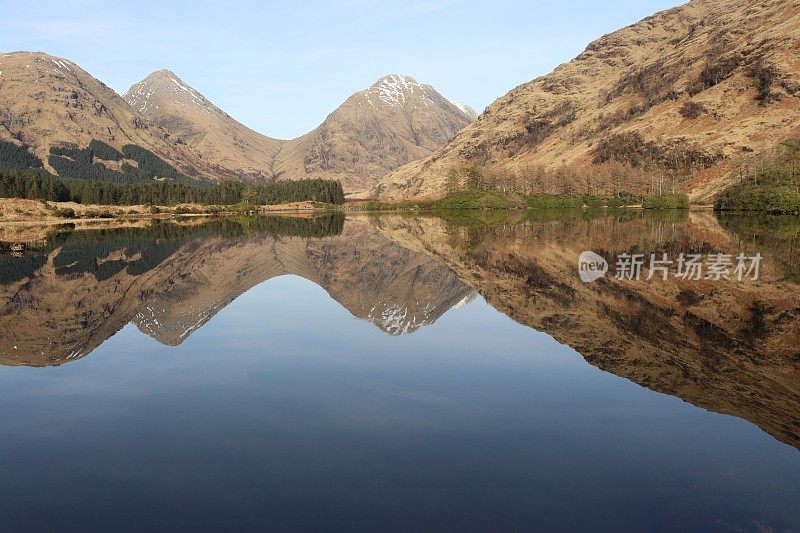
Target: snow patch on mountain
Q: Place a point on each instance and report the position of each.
(165, 84)
(468, 299)
(397, 319)
(396, 89)
(464, 108)
(61, 64)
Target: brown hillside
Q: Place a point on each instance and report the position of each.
(49, 101)
(375, 131)
(235, 151)
(678, 100)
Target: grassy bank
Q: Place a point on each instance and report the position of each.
(666, 201)
(476, 199)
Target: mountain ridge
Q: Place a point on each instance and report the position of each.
(48, 101)
(168, 101)
(376, 130)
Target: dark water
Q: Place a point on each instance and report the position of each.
(398, 373)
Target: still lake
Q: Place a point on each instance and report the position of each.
(398, 372)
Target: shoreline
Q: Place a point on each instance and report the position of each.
(16, 211)
(34, 212)
(286, 211)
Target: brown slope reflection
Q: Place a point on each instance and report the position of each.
(73, 290)
(728, 347)
(725, 346)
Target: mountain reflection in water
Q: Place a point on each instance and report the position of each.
(726, 346)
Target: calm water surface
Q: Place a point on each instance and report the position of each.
(397, 373)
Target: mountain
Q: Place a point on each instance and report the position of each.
(235, 151)
(47, 101)
(683, 98)
(377, 130)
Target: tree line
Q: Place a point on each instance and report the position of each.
(40, 185)
(85, 181)
(84, 163)
(17, 157)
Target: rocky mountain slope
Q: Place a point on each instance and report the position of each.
(376, 130)
(379, 129)
(682, 99)
(234, 151)
(48, 101)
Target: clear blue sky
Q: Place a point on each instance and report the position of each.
(281, 67)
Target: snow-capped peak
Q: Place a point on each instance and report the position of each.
(164, 84)
(394, 89)
(464, 108)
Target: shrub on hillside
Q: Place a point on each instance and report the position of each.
(718, 67)
(764, 75)
(654, 82)
(774, 188)
(632, 149)
(692, 109)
